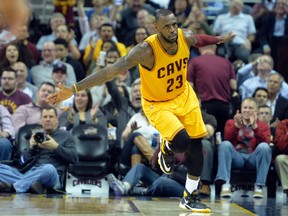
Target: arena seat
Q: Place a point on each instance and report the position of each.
(87, 176)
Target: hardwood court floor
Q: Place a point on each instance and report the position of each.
(29, 204)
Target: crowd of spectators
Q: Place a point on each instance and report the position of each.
(242, 85)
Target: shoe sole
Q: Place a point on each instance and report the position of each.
(258, 196)
(183, 206)
(162, 166)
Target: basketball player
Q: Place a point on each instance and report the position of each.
(168, 100)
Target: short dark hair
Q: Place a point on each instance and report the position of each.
(259, 89)
(47, 107)
(10, 69)
(106, 24)
(264, 106)
(47, 83)
(61, 41)
(161, 13)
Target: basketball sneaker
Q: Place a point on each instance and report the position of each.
(193, 202)
(165, 158)
(116, 185)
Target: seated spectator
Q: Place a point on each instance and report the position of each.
(197, 21)
(245, 146)
(10, 96)
(208, 147)
(89, 29)
(278, 104)
(22, 85)
(149, 22)
(245, 10)
(264, 69)
(157, 185)
(68, 34)
(23, 38)
(261, 96)
(56, 20)
(242, 25)
(138, 137)
(14, 52)
(140, 35)
(82, 112)
(265, 115)
(281, 161)
(127, 20)
(181, 10)
(30, 113)
(53, 157)
(43, 71)
(92, 51)
(62, 53)
(246, 71)
(7, 134)
(59, 75)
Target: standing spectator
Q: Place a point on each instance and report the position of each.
(22, 84)
(7, 134)
(273, 36)
(30, 113)
(53, 157)
(219, 85)
(10, 96)
(43, 71)
(245, 146)
(241, 24)
(281, 161)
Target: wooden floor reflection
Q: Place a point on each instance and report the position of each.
(29, 204)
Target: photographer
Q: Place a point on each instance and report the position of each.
(52, 154)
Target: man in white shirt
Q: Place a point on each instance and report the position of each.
(243, 26)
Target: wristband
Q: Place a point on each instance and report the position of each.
(75, 88)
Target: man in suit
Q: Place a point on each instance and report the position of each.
(273, 36)
(278, 104)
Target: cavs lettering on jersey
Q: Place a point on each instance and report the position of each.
(167, 79)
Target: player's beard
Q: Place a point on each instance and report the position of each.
(168, 40)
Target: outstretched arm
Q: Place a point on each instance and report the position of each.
(138, 54)
(200, 40)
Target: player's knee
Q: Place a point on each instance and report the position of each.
(181, 141)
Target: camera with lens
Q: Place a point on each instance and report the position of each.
(40, 137)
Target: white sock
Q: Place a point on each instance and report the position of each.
(127, 186)
(191, 184)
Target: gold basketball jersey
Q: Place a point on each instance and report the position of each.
(167, 79)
